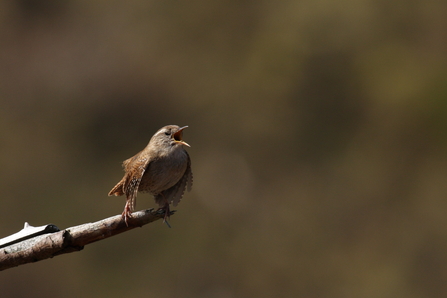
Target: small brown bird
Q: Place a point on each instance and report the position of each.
(163, 169)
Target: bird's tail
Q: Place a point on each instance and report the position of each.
(117, 190)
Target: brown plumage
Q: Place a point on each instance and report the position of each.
(163, 169)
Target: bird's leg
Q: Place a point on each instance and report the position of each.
(164, 206)
(127, 213)
(167, 211)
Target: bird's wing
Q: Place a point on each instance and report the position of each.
(127, 161)
(118, 189)
(133, 179)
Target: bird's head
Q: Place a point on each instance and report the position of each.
(171, 134)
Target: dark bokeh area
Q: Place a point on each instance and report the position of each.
(318, 133)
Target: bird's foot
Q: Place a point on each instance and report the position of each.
(127, 213)
(167, 212)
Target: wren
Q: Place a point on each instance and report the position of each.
(163, 169)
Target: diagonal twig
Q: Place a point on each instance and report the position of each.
(72, 239)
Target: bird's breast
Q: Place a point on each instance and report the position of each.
(164, 172)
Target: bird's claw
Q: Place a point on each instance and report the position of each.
(126, 215)
(167, 223)
(167, 212)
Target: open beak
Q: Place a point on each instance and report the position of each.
(178, 136)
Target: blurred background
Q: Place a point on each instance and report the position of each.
(318, 133)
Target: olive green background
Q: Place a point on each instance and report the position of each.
(318, 132)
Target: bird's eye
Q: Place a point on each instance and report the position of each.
(168, 132)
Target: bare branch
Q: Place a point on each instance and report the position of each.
(71, 239)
